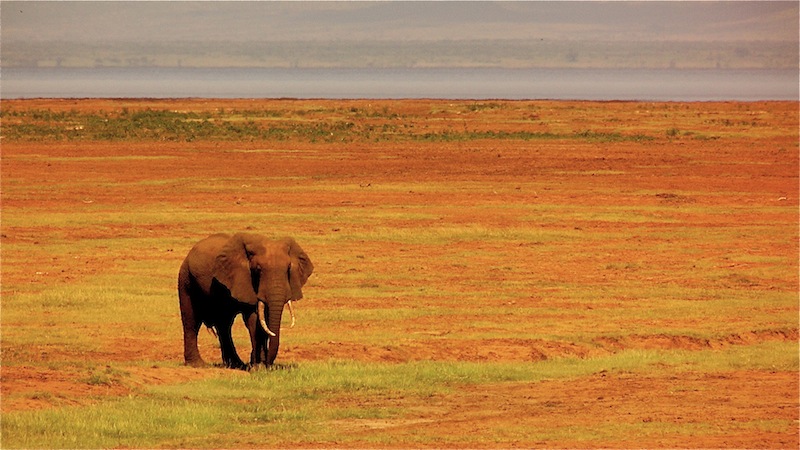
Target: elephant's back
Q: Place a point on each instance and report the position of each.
(200, 260)
(211, 244)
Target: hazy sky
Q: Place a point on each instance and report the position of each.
(106, 22)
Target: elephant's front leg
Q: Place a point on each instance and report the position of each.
(257, 342)
(229, 355)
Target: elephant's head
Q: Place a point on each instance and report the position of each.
(266, 273)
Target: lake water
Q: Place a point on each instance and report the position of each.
(561, 84)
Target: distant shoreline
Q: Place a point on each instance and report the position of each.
(379, 83)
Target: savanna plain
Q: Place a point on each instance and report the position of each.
(488, 274)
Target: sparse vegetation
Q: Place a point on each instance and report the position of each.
(249, 125)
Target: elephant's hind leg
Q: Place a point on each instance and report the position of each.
(191, 323)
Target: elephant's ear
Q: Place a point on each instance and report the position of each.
(299, 269)
(232, 269)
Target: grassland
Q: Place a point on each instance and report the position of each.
(488, 274)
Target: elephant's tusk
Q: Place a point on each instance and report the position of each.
(261, 319)
(212, 331)
(291, 311)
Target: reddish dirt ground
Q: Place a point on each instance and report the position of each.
(567, 173)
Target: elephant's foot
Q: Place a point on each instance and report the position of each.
(237, 364)
(259, 366)
(196, 362)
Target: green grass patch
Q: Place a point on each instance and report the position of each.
(254, 125)
(140, 422)
(300, 404)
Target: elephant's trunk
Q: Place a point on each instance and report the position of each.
(275, 314)
(262, 319)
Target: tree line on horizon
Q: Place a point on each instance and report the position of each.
(542, 53)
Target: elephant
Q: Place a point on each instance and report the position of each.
(248, 274)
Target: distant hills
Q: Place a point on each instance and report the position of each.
(400, 34)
